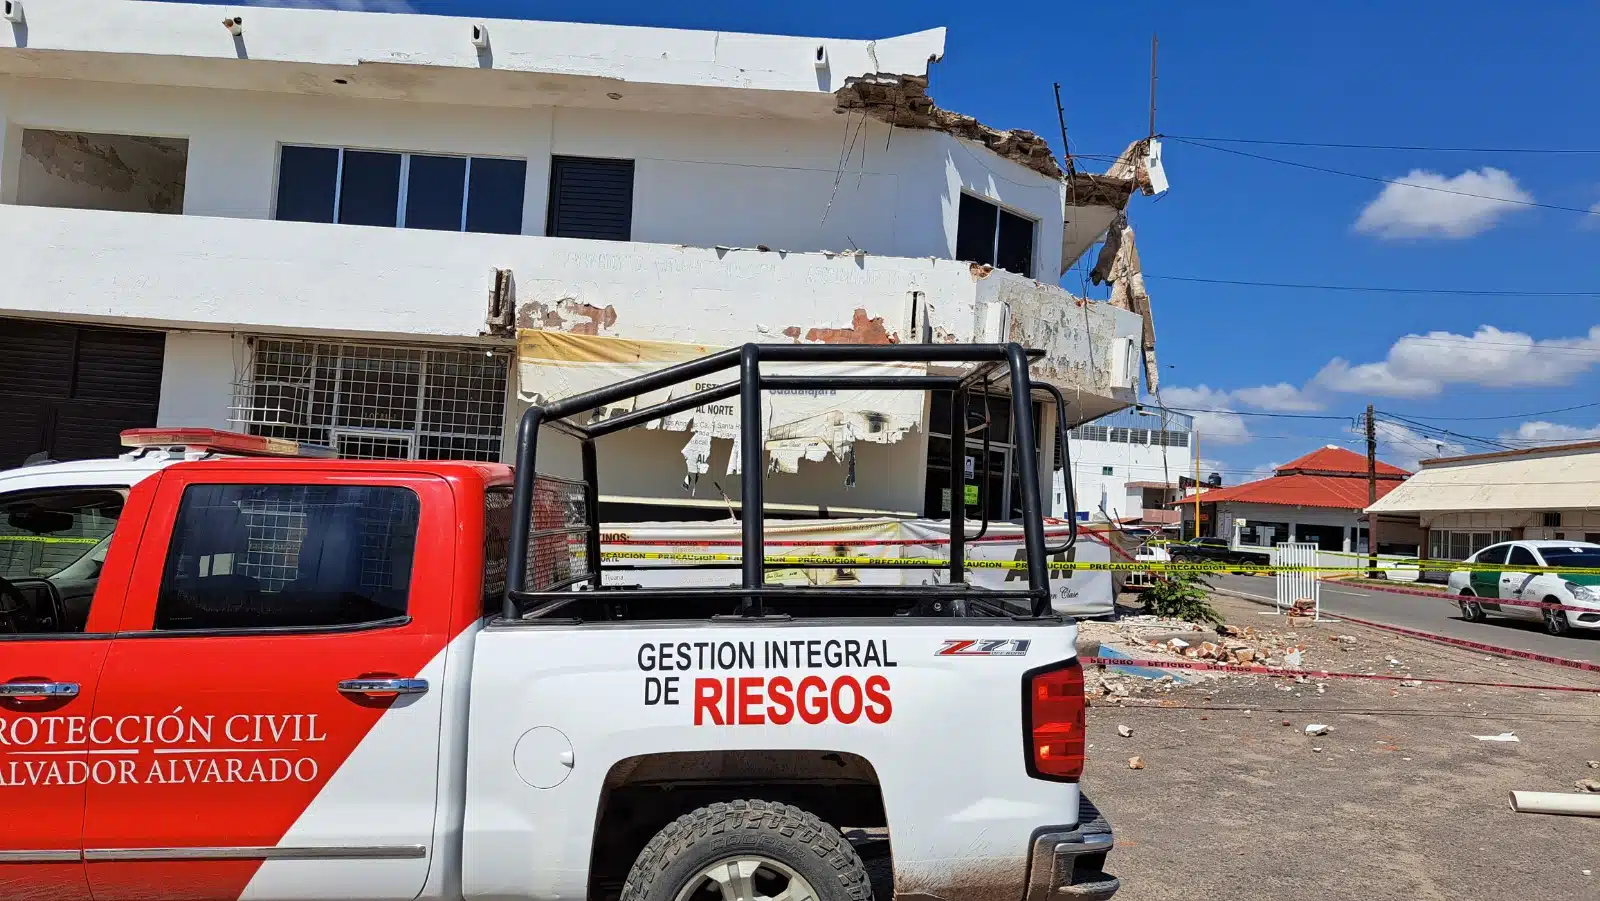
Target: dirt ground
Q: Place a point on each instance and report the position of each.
(1235, 801)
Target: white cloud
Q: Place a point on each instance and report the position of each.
(1403, 211)
(1421, 365)
(1224, 427)
(1373, 378)
(1541, 432)
(1280, 398)
(1264, 471)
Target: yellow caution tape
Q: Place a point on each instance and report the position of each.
(1057, 565)
(46, 539)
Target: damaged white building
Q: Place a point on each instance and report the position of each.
(387, 233)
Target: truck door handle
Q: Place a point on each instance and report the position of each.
(380, 686)
(38, 691)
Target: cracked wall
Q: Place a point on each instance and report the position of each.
(82, 170)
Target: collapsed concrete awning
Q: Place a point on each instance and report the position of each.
(1093, 201)
(903, 101)
(810, 424)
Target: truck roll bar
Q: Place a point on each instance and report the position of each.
(545, 545)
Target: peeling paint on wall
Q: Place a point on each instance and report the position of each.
(567, 315)
(862, 330)
(79, 170)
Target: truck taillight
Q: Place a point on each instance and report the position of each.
(1053, 709)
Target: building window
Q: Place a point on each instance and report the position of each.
(1552, 520)
(1263, 534)
(400, 190)
(590, 198)
(1448, 544)
(1105, 470)
(985, 233)
(377, 401)
(288, 556)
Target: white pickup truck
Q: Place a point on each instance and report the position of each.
(227, 673)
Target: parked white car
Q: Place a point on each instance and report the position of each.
(1524, 579)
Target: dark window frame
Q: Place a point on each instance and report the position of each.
(1002, 218)
(1532, 558)
(403, 184)
(403, 550)
(563, 164)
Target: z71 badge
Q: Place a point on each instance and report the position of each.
(984, 647)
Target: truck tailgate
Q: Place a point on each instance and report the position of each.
(936, 706)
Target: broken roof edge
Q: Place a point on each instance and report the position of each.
(902, 100)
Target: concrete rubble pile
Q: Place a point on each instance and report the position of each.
(1158, 639)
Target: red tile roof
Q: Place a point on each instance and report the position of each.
(1337, 460)
(1329, 477)
(1340, 492)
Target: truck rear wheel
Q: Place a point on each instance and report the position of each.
(748, 851)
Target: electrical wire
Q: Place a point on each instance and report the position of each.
(1259, 413)
(1507, 416)
(1392, 181)
(1425, 427)
(1377, 289)
(1413, 147)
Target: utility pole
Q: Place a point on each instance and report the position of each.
(1153, 44)
(1196, 434)
(1372, 493)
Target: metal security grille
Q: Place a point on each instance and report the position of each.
(372, 401)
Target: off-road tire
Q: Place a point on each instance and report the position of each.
(789, 835)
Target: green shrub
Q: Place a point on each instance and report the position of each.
(1180, 596)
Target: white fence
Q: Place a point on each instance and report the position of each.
(1294, 587)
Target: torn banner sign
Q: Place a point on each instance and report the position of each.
(809, 424)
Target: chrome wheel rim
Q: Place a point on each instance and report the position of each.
(747, 877)
(1555, 621)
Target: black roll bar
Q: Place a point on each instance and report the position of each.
(747, 359)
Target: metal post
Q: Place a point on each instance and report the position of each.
(521, 509)
(1372, 493)
(1028, 460)
(958, 486)
(591, 511)
(751, 446)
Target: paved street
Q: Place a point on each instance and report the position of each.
(1439, 616)
(1398, 801)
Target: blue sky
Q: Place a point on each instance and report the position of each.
(1463, 74)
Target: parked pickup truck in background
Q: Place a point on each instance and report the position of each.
(1212, 550)
(268, 677)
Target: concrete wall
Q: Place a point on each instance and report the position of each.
(83, 170)
(1575, 524)
(198, 374)
(700, 180)
(1229, 515)
(290, 277)
(649, 463)
(620, 54)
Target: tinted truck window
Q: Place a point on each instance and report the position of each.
(288, 556)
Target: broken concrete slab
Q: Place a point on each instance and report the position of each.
(903, 101)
